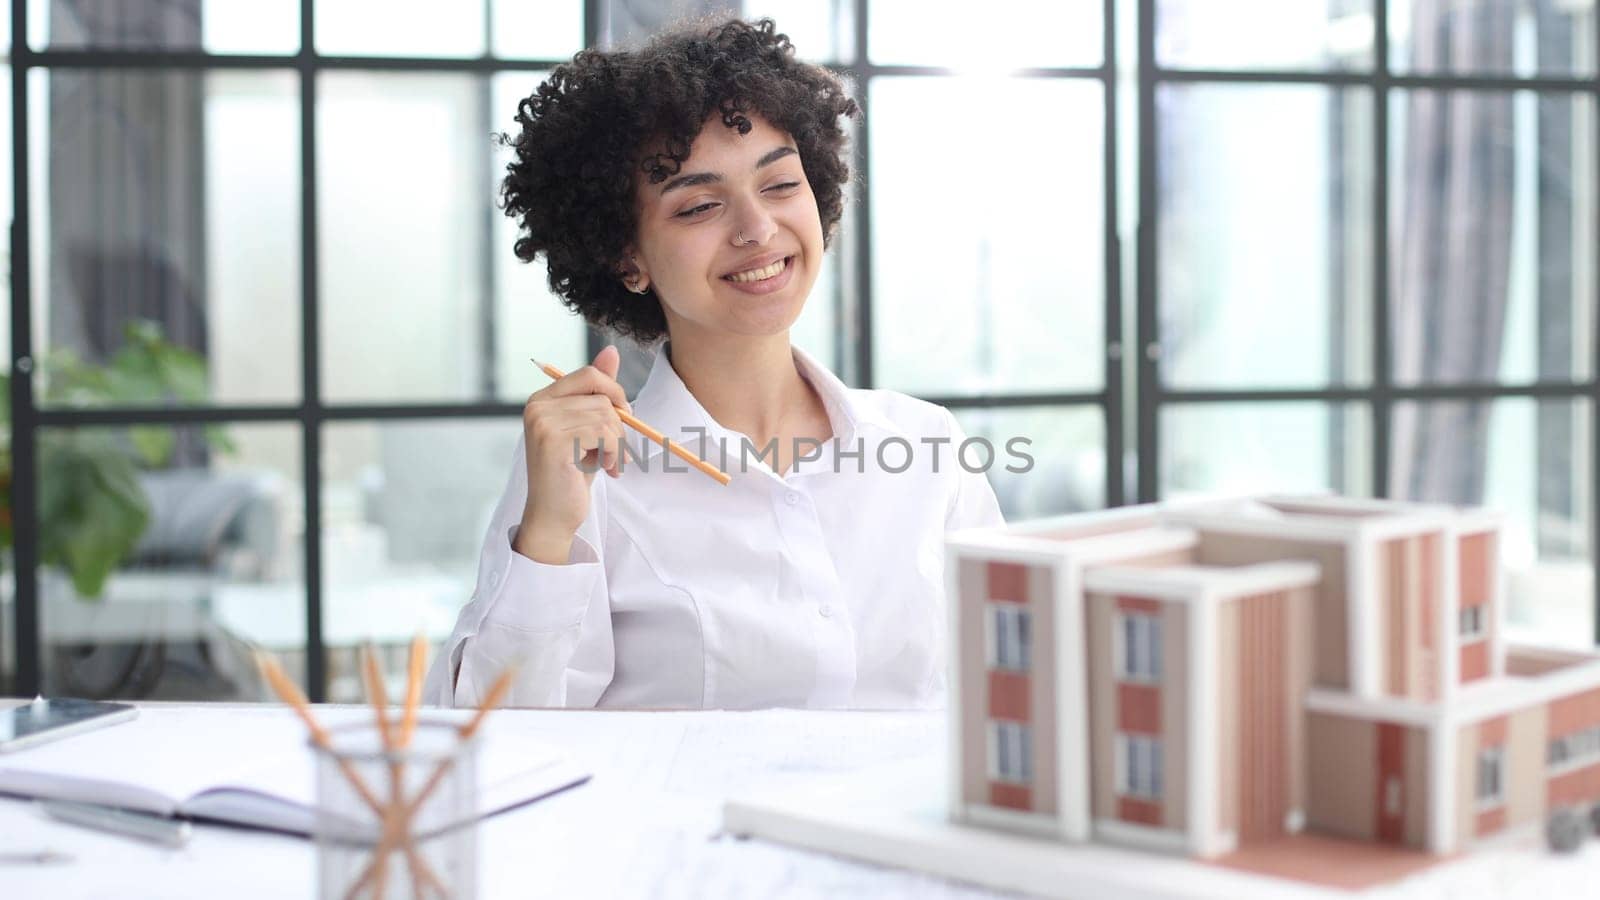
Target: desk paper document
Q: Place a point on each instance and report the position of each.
(246, 766)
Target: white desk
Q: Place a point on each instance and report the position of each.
(644, 826)
(647, 825)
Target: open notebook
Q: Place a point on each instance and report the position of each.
(246, 766)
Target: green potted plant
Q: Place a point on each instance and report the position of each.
(92, 509)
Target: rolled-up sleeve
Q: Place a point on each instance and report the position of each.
(552, 621)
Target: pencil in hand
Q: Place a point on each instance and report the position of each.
(677, 449)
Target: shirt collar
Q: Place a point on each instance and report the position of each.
(665, 403)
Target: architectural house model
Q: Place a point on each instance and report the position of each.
(1197, 678)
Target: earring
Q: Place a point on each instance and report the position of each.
(635, 283)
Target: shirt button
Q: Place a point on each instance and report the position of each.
(825, 610)
(791, 498)
(494, 579)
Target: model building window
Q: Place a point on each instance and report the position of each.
(1472, 623)
(1491, 776)
(1139, 766)
(1139, 648)
(1576, 750)
(1010, 752)
(1010, 636)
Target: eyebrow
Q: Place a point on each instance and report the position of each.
(699, 178)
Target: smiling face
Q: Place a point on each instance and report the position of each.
(732, 243)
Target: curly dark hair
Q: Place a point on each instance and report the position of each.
(585, 129)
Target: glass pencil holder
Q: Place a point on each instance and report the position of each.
(399, 824)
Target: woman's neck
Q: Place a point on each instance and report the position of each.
(750, 386)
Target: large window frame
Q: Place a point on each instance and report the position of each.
(312, 413)
(1130, 399)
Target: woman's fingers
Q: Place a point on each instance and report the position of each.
(590, 436)
(572, 420)
(587, 380)
(617, 437)
(608, 444)
(557, 419)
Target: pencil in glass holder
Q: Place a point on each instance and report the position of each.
(406, 825)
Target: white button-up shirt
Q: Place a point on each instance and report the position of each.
(820, 588)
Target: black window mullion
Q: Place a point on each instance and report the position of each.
(201, 59)
(1382, 364)
(1112, 400)
(24, 493)
(488, 373)
(867, 68)
(593, 31)
(1427, 391)
(1594, 366)
(1148, 343)
(316, 671)
(863, 374)
(1359, 79)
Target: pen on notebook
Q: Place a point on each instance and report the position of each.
(654, 435)
(145, 827)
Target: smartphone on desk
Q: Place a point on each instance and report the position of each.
(46, 720)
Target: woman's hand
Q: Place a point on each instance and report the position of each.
(576, 414)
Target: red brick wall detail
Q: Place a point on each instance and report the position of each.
(1575, 713)
(1139, 605)
(1430, 593)
(1491, 820)
(1008, 695)
(1474, 575)
(1138, 708)
(1263, 718)
(1391, 764)
(1474, 661)
(1568, 715)
(1475, 569)
(1011, 796)
(1492, 732)
(1394, 610)
(1140, 812)
(1580, 786)
(1008, 582)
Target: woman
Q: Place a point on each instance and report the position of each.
(684, 194)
